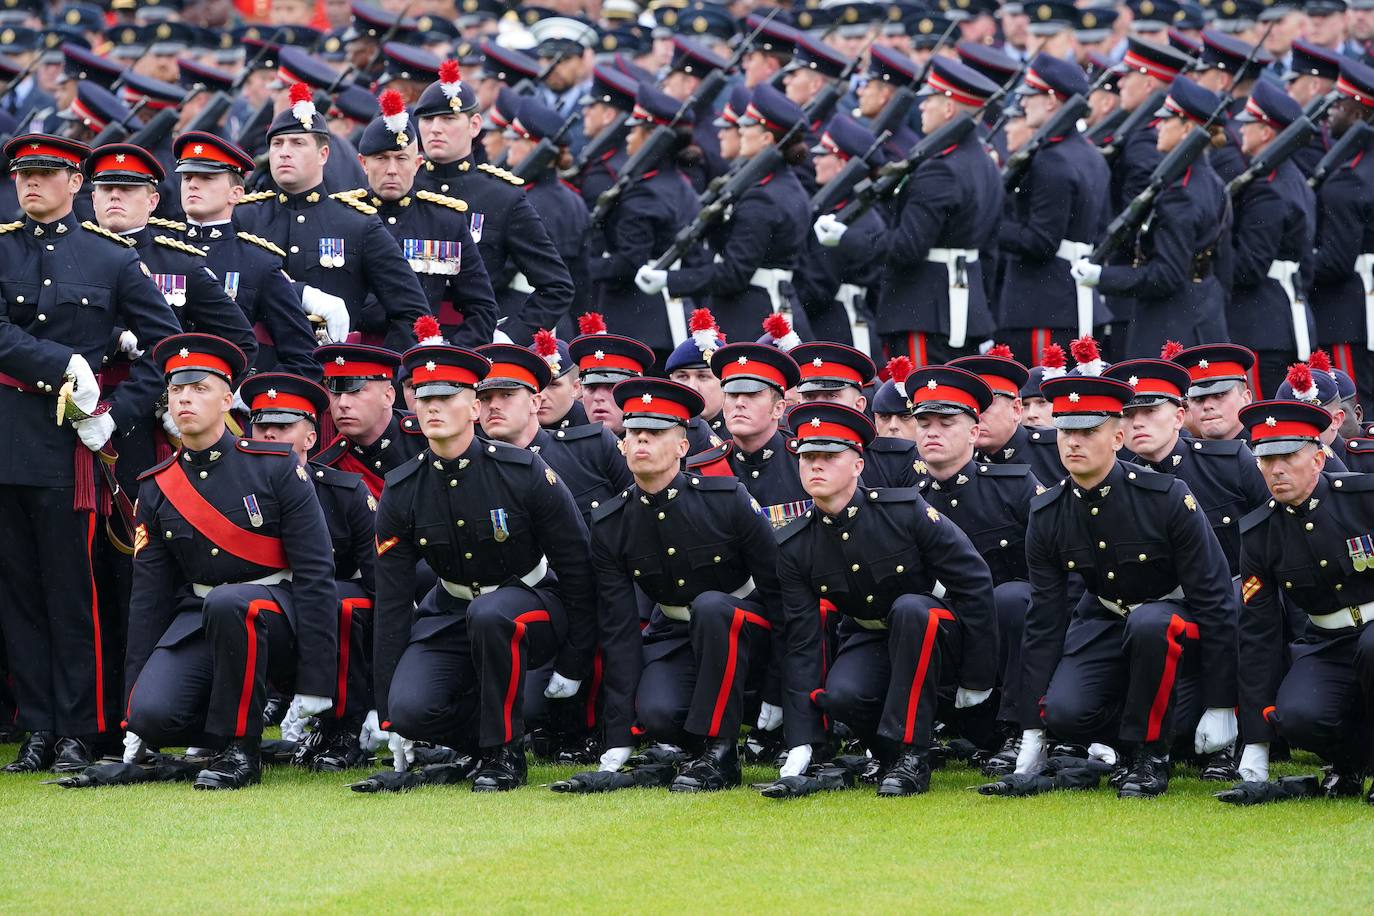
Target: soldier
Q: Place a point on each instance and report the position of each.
(1152, 643)
(697, 548)
(1312, 76)
(288, 408)
(532, 285)
(1002, 438)
(690, 364)
(250, 267)
(233, 579)
(889, 72)
(431, 228)
(1305, 547)
(874, 556)
(1230, 67)
(483, 515)
(560, 403)
(335, 243)
(611, 94)
(932, 306)
(1149, 69)
(1059, 209)
(1219, 386)
(690, 64)
(605, 360)
(892, 416)
(54, 271)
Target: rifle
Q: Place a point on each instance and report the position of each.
(117, 131)
(160, 126)
(1353, 140)
(546, 151)
(1293, 138)
(1106, 129)
(210, 116)
(1004, 113)
(1143, 115)
(528, 86)
(842, 185)
(612, 136)
(1062, 122)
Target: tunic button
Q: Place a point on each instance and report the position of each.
(42, 317)
(377, 464)
(873, 494)
(1323, 564)
(1226, 519)
(52, 248)
(869, 599)
(1131, 475)
(662, 516)
(1111, 575)
(167, 535)
(953, 503)
(491, 448)
(824, 589)
(20, 299)
(461, 523)
(1141, 558)
(1339, 586)
(854, 568)
(301, 218)
(84, 301)
(1101, 545)
(47, 282)
(443, 187)
(754, 473)
(214, 551)
(1288, 585)
(295, 250)
(1070, 564)
(595, 503)
(1094, 510)
(467, 556)
(424, 541)
(1308, 526)
(845, 536)
(672, 551)
(560, 434)
(1335, 483)
(636, 572)
(901, 569)
(453, 483)
(1002, 543)
(204, 474)
(681, 582)
(715, 559)
(391, 220)
(319, 473)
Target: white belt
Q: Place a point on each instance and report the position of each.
(771, 279)
(1345, 617)
(1285, 272)
(850, 295)
(958, 289)
(531, 578)
(1072, 252)
(521, 283)
(683, 612)
(1364, 266)
(276, 578)
(1125, 609)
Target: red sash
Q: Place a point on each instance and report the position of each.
(258, 549)
(370, 477)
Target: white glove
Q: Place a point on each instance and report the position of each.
(331, 308)
(651, 281)
(128, 345)
(240, 403)
(829, 230)
(169, 424)
(371, 736)
(798, 759)
(560, 687)
(292, 726)
(96, 431)
(1215, 730)
(770, 717)
(307, 705)
(1085, 272)
(1254, 763)
(85, 390)
(964, 697)
(614, 758)
(1033, 752)
(1105, 753)
(134, 751)
(402, 750)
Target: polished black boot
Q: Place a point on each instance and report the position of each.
(908, 775)
(1148, 776)
(1219, 767)
(71, 756)
(1342, 782)
(36, 753)
(338, 748)
(274, 710)
(502, 769)
(235, 767)
(715, 768)
(1004, 761)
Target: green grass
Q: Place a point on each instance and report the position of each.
(302, 841)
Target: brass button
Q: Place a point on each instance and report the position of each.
(953, 503)
(595, 503)
(1131, 476)
(1094, 510)
(424, 541)
(854, 568)
(461, 523)
(301, 218)
(681, 582)
(1002, 543)
(662, 516)
(1339, 586)
(391, 220)
(1101, 545)
(1141, 558)
(1334, 483)
(869, 599)
(715, 559)
(167, 535)
(453, 483)
(754, 473)
(873, 494)
(844, 536)
(901, 569)
(1111, 575)
(1309, 526)
(467, 556)
(42, 317)
(1323, 564)
(824, 589)
(214, 551)
(47, 282)
(1071, 564)
(672, 551)
(204, 474)
(1226, 519)
(295, 250)
(637, 572)
(1288, 585)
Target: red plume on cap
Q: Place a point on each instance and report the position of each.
(1052, 361)
(1170, 349)
(701, 320)
(303, 105)
(450, 72)
(427, 330)
(591, 323)
(899, 368)
(779, 328)
(1320, 361)
(300, 92)
(391, 103)
(1085, 353)
(451, 84)
(1001, 350)
(1300, 379)
(545, 344)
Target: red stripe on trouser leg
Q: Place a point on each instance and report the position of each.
(1177, 627)
(731, 661)
(346, 609)
(827, 608)
(927, 646)
(95, 630)
(598, 662)
(250, 665)
(517, 674)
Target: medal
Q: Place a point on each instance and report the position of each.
(250, 502)
(500, 527)
(475, 221)
(231, 284)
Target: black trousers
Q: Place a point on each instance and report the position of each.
(353, 695)
(1271, 368)
(50, 613)
(1356, 360)
(925, 349)
(696, 672)
(1129, 679)
(460, 681)
(1013, 601)
(886, 683)
(208, 675)
(1028, 343)
(1326, 699)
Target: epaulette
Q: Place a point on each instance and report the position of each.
(353, 202)
(1044, 436)
(509, 453)
(166, 224)
(1003, 470)
(1359, 446)
(331, 452)
(443, 200)
(1041, 500)
(259, 447)
(610, 506)
(257, 197)
(10, 227)
(161, 466)
(333, 477)
(894, 494)
(354, 193)
(411, 424)
(400, 473)
(1226, 447)
(1147, 479)
(891, 444)
(501, 173)
(262, 243)
(168, 242)
(92, 227)
(1253, 518)
(712, 463)
(585, 431)
(1351, 481)
(793, 527)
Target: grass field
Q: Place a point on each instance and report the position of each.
(303, 842)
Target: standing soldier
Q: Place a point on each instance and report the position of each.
(54, 271)
(233, 578)
(612, 93)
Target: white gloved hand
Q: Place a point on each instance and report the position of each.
(964, 697)
(1033, 752)
(307, 705)
(96, 431)
(292, 726)
(169, 424)
(85, 390)
(240, 403)
(614, 758)
(560, 687)
(798, 759)
(770, 717)
(1085, 272)
(651, 281)
(134, 751)
(1254, 763)
(829, 230)
(1102, 752)
(371, 736)
(128, 345)
(1215, 730)
(331, 308)
(402, 751)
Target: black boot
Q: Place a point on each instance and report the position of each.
(36, 753)
(274, 710)
(1219, 767)
(1342, 782)
(72, 756)
(715, 768)
(308, 748)
(908, 775)
(338, 748)
(502, 769)
(1004, 761)
(235, 767)
(1148, 776)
